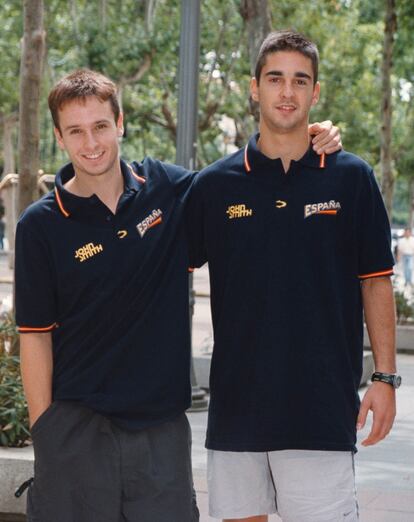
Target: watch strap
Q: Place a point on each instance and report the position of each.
(389, 378)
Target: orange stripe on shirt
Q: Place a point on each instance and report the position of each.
(59, 202)
(139, 178)
(377, 274)
(156, 222)
(322, 161)
(26, 329)
(246, 161)
(329, 212)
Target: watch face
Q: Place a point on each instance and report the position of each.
(397, 381)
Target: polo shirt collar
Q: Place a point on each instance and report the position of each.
(69, 203)
(254, 159)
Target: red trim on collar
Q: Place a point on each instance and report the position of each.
(60, 204)
(322, 161)
(246, 160)
(139, 178)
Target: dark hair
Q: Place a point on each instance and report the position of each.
(78, 85)
(287, 41)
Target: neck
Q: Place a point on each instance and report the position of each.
(108, 186)
(286, 145)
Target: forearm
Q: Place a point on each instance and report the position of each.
(36, 362)
(379, 310)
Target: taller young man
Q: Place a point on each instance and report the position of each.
(102, 306)
(296, 244)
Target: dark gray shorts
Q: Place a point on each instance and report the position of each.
(89, 470)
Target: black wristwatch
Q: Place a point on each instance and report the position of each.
(389, 378)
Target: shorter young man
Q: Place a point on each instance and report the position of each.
(102, 308)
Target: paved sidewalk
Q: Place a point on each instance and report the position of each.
(384, 473)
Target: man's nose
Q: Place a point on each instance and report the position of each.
(287, 90)
(90, 140)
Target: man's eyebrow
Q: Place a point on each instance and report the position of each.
(274, 73)
(298, 74)
(69, 127)
(301, 74)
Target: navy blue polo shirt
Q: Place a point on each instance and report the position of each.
(286, 254)
(113, 290)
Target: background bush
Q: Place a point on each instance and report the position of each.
(14, 422)
(405, 310)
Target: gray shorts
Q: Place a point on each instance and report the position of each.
(89, 470)
(299, 485)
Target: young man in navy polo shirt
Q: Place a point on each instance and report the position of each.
(297, 245)
(102, 306)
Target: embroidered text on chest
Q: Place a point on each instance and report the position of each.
(155, 218)
(88, 251)
(238, 211)
(327, 207)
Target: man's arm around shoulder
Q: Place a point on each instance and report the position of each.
(36, 363)
(379, 309)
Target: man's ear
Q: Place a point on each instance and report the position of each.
(316, 93)
(254, 89)
(59, 138)
(120, 125)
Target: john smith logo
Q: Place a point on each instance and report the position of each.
(327, 207)
(238, 211)
(155, 218)
(88, 251)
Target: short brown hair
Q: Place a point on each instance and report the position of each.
(78, 85)
(287, 41)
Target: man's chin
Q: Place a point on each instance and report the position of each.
(286, 127)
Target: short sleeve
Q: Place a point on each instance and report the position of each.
(375, 257)
(35, 300)
(195, 225)
(181, 179)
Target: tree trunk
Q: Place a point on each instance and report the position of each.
(256, 15)
(386, 106)
(30, 80)
(150, 6)
(103, 14)
(9, 125)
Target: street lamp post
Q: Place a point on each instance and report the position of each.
(187, 129)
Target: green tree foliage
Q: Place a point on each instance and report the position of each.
(11, 22)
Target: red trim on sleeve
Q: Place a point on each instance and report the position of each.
(34, 329)
(377, 274)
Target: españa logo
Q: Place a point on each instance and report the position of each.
(238, 211)
(327, 207)
(88, 251)
(155, 218)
